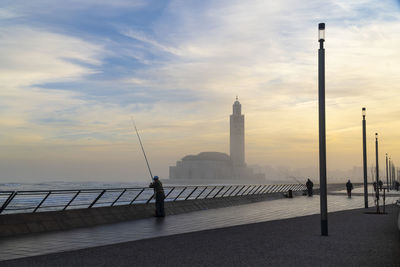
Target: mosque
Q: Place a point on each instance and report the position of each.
(217, 166)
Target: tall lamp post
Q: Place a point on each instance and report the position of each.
(393, 172)
(390, 168)
(387, 176)
(365, 158)
(377, 173)
(322, 136)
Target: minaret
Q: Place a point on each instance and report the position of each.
(237, 135)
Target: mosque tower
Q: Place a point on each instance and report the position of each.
(237, 135)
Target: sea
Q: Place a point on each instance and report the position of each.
(60, 185)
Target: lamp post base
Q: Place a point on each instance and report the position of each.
(324, 227)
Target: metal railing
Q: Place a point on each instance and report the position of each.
(57, 200)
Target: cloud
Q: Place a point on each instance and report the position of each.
(32, 56)
(7, 14)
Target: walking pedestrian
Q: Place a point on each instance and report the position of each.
(349, 187)
(380, 184)
(159, 195)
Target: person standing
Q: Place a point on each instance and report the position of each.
(309, 186)
(349, 187)
(380, 184)
(159, 195)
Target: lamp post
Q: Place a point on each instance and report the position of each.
(322, 136)
(390, 168)
(393, 171)
(387, 176)
(365, 158)
(377, 173)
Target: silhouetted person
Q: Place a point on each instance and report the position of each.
(309, 186)
(374, 185)
(380, 184)
(396, 185)
(159, 195)
(349, 187)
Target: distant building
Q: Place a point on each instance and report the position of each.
(237, 135)
(217, 166)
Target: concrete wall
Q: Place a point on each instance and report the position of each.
(15, 224)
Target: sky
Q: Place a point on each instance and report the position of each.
(73, 74)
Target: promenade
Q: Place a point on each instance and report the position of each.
(251, 234)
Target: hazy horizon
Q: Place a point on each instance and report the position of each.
(74, 73)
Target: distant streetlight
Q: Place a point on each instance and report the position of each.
(387, 174)
(377, 173)
(322, 134)
(365, 159)
(390, 168)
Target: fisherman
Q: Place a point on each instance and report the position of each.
(309, 186)
(349, 187)
(160, 196)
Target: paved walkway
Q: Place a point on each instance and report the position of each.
(355, 239)
(44, 243)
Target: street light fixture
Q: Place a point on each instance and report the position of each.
(322, 132)
(365, 158)
(387, 173)
(321, 32)
(377, 173)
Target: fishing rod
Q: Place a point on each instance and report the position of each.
(141, 145)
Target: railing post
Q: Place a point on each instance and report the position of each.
(272, 188)
(180, 193)
(252, 188)
(120, 195)
(264, 189)
(236, 187)
(210, 191)
(201, 192)
(141, 191)
(245, 190)
(69, 203)
(218, 192)
(191, 193)
(261, 190)
(226, 191)
(255, 191)
(285, 188)
(9, 199)
(152, 196)
(41, 202)
(276, 189)
(239, 190)
(169, 192)
(97, 198)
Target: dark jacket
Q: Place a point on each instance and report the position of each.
(309, 184)
(349, 186)
(158, 189)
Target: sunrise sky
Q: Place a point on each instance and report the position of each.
(73, 73)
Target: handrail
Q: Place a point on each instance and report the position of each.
(59, 200)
